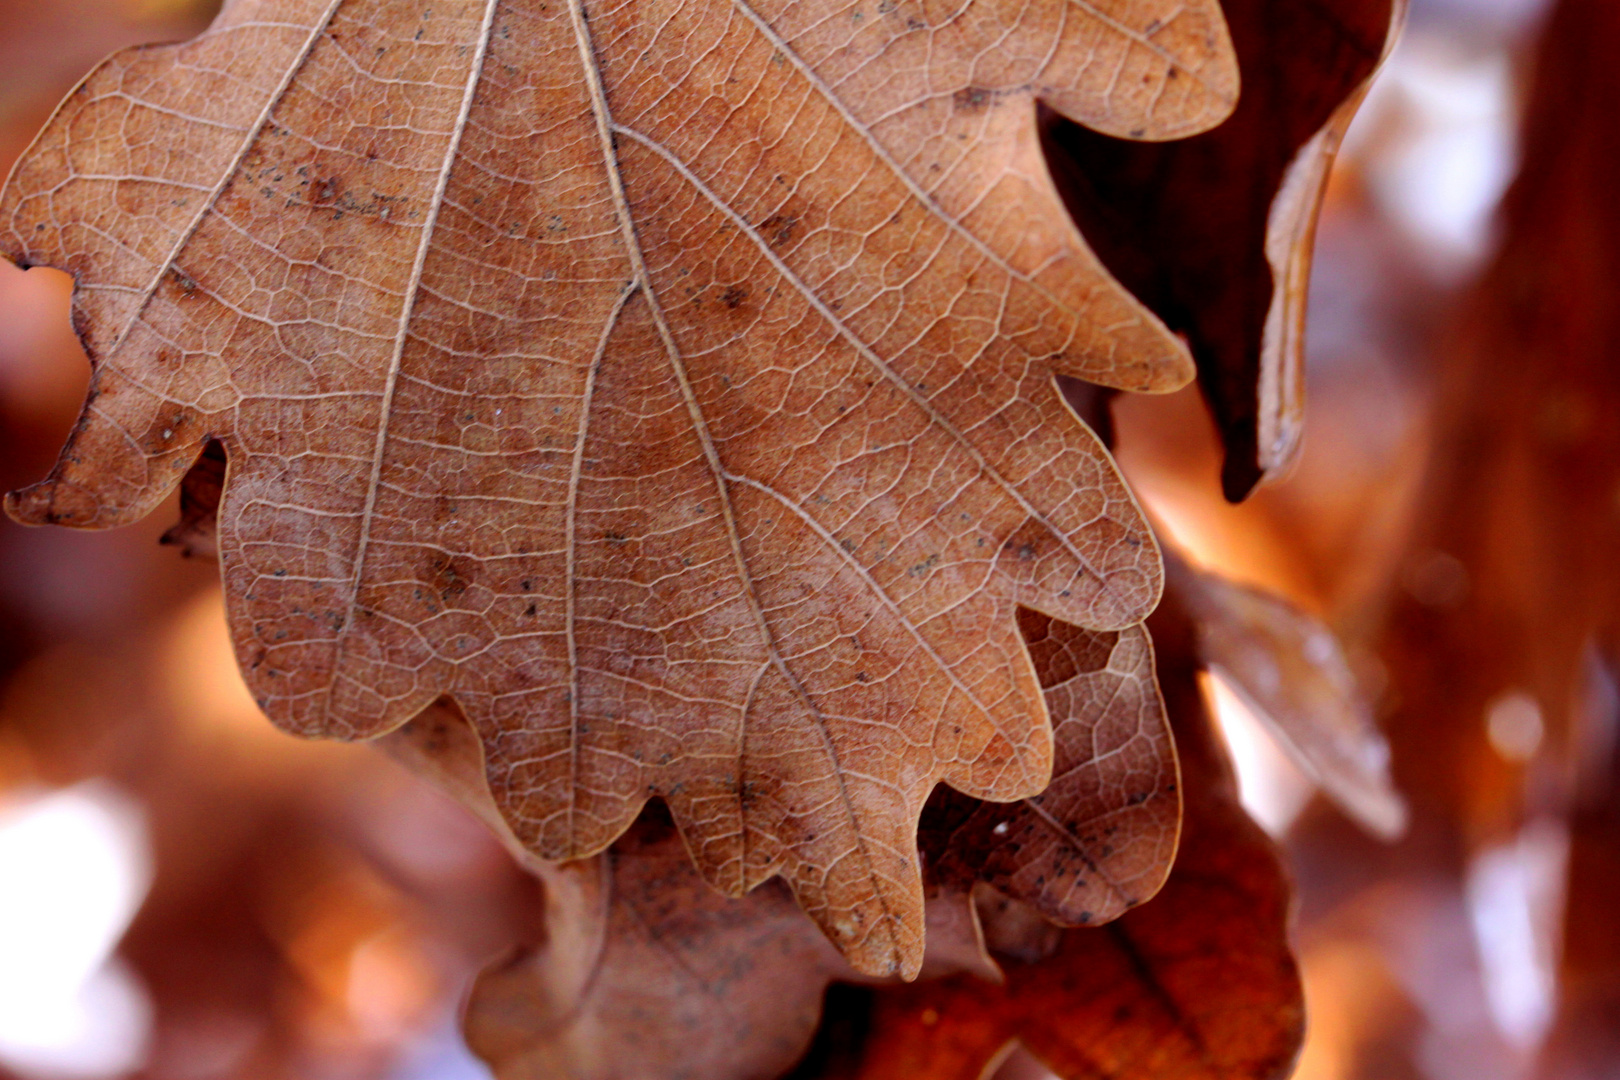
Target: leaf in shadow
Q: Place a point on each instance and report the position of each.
(1215, 233)
(643, 969)
(1290, 670)
(1101, 839)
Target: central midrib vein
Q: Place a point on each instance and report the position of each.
(632, 243)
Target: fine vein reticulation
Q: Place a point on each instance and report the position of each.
(668, 383)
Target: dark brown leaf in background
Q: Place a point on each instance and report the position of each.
(1510, 582)
(1215, 233)
(1198, 983)
(1584, 1043)
(1501, 647)
(644, 971)
(1564, 220)
(197, 531)
(629, 374)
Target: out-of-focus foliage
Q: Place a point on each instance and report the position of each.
(1454, 518)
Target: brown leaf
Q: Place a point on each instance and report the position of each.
(1215, 233)
(1585, 1042)
(648, 972)
(628, 374)
(1288, 667)
(1198, 983)
(645, 973)
(1501, 645)
(1509, 580)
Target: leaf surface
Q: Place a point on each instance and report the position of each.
(669, 384)
(1102, 837)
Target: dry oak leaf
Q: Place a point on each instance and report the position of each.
(1216, 233)
(644, 974)
(1198, 984)
(668, 383)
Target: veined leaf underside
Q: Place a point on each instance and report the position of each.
(667, 383)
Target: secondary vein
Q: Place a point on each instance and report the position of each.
(402, 333)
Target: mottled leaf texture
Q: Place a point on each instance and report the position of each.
(1101, 839)
(1197, 984)
(645, 974)
(1289, 668)
(669, 383)
(1216, 233)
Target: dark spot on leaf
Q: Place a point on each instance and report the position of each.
(779, 228)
